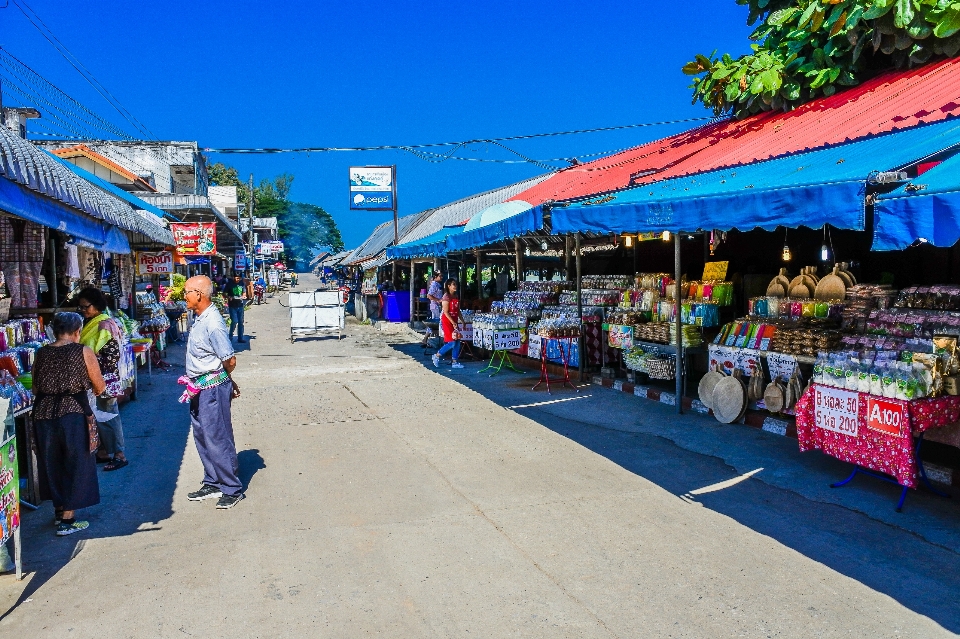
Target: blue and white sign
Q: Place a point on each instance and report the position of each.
(373, 188)
(240, 261)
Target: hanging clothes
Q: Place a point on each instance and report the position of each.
(21, 260)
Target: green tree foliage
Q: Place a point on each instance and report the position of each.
(277, 189)
(805, 49)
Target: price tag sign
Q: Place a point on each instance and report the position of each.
(534, 345)
(466, 335)
(507, 340)
(715, 271)
(836, 410)
(781, 365)
(885, 416)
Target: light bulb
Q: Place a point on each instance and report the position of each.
(628, 240)
(543, 245)
(787, 255)
(666, 236)
(824, 253)
(527, 251)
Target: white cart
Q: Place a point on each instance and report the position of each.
(316, 312)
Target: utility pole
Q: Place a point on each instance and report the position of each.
(252, 249)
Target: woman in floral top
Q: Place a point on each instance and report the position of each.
(102, 335)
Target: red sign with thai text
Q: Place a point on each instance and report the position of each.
(885, 416)
(198, 238)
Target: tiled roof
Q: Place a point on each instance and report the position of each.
(894, 100)
(44, 173)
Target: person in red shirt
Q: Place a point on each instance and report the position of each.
(450, 323)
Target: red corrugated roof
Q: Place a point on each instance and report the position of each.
(891, 101)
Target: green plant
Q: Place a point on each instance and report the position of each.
(805, 49)
(175, 292)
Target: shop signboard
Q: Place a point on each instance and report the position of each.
(373, 188)
(715, 271)
(620, 336)
(198, 238)
(240, 261)
(886, 416)
(273, 278)
(158, 263)
(9, 489)
(835, 409)
(507, 340)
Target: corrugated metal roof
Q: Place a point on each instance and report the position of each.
(891, 101)
(44, 173)
(382, 236)
(462, 210)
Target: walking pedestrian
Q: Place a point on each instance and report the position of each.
(101, 334)
(435, 295)
(210, 390)
(65, 427)
(451, 323)
(236, 292)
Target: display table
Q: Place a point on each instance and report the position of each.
(873, 433)
(567, 341)
(501, 342)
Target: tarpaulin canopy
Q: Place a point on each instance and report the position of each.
(927, 209)
(523, 222)
(808, 189)
(46, 211)
(433, 245)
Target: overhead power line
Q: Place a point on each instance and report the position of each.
(406, 147)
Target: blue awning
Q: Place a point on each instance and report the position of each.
(525, 222)
(27, 204)
(927, 209)
(433, 245)
(807, 189)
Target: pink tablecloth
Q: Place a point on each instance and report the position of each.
(878, 451)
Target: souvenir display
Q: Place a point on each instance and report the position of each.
(559, 327)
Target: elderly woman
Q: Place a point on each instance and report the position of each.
(62, 374)
(102, 335)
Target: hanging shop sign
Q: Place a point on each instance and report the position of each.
(270, 247)
(156, 263)
(198, 238)
(836, 409)
(715, 271)
(9, 489)
(373, 188)
(240, 261)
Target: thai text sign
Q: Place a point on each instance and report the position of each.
(466, 333)
(715, 271)
(886, 416)
(9, 488)
(373, 188)
(199, 238)
(160, 263)
(836, 410)
(507, 340)
(620, 336)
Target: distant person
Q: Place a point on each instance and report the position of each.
(209, 362)
(435, 295)
(451, 323)
(236, 294)
(64, 422)
(102, 335)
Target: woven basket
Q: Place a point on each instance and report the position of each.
(662, 367)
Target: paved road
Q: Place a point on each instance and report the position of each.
(386, 497)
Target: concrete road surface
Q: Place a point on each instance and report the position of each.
(389, 498)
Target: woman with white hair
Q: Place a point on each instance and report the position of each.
(66, 431)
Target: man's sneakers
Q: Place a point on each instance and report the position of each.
(205, 492)
(436, 360)
(229, 501)
(64, 528)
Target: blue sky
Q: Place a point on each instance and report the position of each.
(256, 74)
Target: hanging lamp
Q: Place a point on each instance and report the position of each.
(787, 254)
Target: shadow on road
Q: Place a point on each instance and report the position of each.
(249, 462)
(133, 500)
(920, 575)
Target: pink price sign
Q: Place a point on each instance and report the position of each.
(836, 410)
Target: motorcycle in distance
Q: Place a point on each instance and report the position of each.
(258, 291)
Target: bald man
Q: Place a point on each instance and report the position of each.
(210, 360)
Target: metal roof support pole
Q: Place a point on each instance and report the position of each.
(519, 249)
(413, 270)
(567, 242)
(479, 275)
(581, 360)
(52, 276)
(676, 321)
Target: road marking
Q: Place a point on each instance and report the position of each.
(552, 401)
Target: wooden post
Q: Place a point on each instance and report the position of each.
(676, 325)
(479, 276)
(582, 359)
(519, 248)
(567, 242)
(413, 270)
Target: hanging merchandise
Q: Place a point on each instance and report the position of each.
(113, 279)
(21, 255)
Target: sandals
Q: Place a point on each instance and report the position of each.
(115, 464)
(103, 460)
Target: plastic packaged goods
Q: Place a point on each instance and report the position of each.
(551, 287)
(602, 282)
(591, 297)
(497, 322)
(559, 327)
(550, 312)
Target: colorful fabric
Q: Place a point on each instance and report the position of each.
(97, 332)
(881, 452)
(196, 384)
(60, 381)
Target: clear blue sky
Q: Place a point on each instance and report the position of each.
(256, 74)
